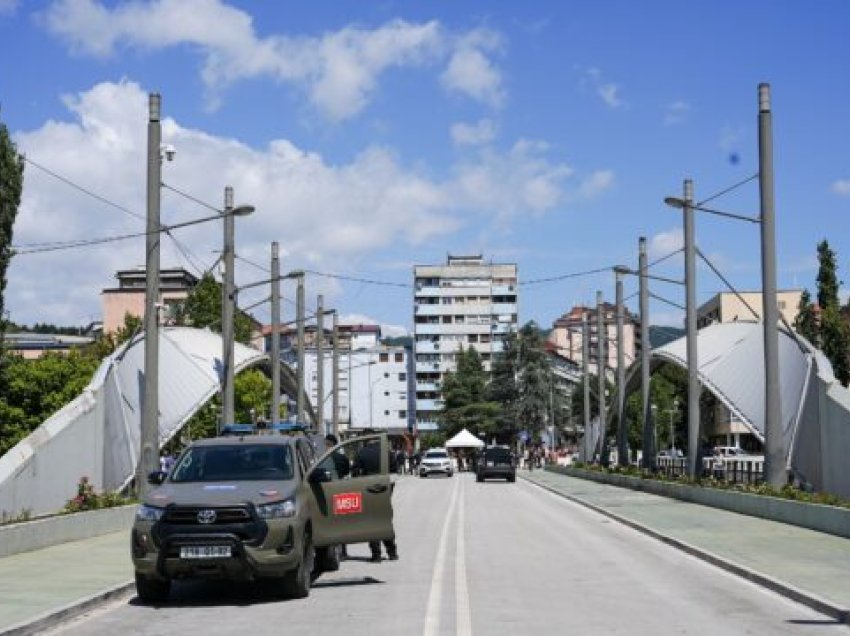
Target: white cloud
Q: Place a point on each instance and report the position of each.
(328, 217)
(481, 132)
(608, 92)
(596, 183)
(841, 187)
(338, 71)
(677, 112)
(471, 72)
(665, 243)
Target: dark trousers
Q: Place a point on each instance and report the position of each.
(389, 544)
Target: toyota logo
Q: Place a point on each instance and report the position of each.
(206, 516)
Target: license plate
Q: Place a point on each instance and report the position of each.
(204, 551)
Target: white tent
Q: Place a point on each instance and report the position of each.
(464, 439)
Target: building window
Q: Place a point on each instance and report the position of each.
(386, 412)
(402, 377)
(386, 375)
(384, 357)
(399, 357)
(386, 393)
(402, 415)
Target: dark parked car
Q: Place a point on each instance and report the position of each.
(496, 461)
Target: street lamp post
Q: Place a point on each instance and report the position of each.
(691, 328)
(275, 352)
(774, 456)
(228, 306)
(775, 470)
(622, 430)
(645, 350)
(149, 434)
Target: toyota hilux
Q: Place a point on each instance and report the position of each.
(259, 506)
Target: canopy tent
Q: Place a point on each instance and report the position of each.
(464, 439)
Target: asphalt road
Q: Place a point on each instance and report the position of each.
(492, 558)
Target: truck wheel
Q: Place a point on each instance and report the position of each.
(152, 590)
(328, 559)
(296, 583)
(479, 478)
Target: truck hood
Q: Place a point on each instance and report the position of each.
(220, 493)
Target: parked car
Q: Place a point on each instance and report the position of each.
(254, 507)
(436, 461)
(496, 462)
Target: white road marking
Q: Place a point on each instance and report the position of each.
(435, 596)
(462, 615)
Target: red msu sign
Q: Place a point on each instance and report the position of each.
(348, 503)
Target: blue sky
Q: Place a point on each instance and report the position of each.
(375, 136)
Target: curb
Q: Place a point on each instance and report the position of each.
(55, 617)
(840, 614)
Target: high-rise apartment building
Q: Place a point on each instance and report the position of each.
(465, 303)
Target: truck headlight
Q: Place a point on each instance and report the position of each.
(148, 513)
(277, 510)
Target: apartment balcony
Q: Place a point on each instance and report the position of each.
(503, 290)
(427, 386)
(508, 309)
(429, 310)
(429, 405)
(427, 367)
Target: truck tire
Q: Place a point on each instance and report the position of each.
(152, 590)
(296, 583)
(328, 559)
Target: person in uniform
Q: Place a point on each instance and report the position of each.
(368, 462)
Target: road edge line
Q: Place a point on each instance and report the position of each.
(53, 618)
(813, 601)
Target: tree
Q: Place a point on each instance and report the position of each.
(11, 186)
(827, 279)
(465, 403)
(806, 322)
(35, 389)
(834, 332)
(202, 308)
(533, 380)
(502, 388)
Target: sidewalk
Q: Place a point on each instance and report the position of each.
(808, 566)
(40, 583)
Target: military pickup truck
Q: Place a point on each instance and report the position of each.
(258, 506)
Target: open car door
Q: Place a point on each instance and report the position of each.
(351, 487)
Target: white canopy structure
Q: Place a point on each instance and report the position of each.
(464, 439)
(97, 434)
(815, 407)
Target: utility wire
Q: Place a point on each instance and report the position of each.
(82, 189)
(358, 280)
(664, 300)
(664, 258)
(729, 189)
(727, 283)
(191, 198)
(538, 281)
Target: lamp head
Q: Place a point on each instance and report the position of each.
(242, 210)
(674, 202)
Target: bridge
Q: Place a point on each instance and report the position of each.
(97, 434)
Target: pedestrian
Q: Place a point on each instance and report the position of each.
(368, 462)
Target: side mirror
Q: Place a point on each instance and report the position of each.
(156, 477)
(320, 476)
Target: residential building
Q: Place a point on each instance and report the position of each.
(129, 297)
(375, 388)
(34, 345)
(727, 307)
(351, 337)
(566, 336)
(467, 302)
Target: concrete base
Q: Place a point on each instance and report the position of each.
(41, 533)
(829, 519)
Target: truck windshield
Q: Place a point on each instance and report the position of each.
(234, 463)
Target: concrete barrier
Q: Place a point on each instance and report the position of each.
(41, 533)
(829, 519)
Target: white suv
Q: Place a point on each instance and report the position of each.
(436, 460)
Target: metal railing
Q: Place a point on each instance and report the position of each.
(736, 470)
